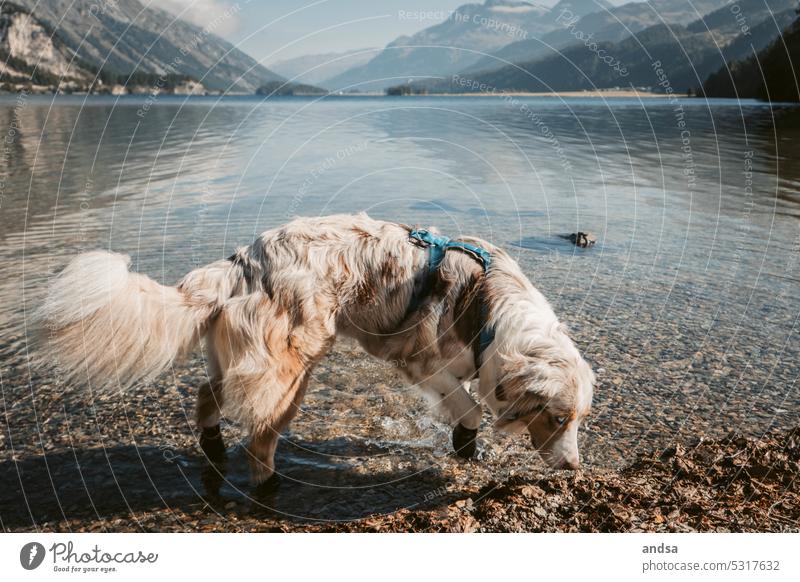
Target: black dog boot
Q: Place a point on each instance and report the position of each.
(212, 476)
(464, 441)
(212, 444)
(213, 472)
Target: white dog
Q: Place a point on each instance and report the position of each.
(448, 311)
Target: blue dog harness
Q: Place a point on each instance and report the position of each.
(437, 247)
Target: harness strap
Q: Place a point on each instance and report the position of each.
(437, 247)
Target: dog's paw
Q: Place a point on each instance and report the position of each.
(266, 489)
(464, 441)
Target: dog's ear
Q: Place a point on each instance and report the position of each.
(500, 393)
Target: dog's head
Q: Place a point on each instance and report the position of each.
(548, 392)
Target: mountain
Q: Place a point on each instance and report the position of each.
(763, 16)
(31, 53)
(469, 32)
(579, 7)
(687, 55)
(125, 36)
(34, 58)
(770, 75)
(620, 22)
(314, 69)
(610, 24)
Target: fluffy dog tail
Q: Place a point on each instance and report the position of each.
(111, 328)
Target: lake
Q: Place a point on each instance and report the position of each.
(687, 307)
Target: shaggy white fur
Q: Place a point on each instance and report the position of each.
(272, 310)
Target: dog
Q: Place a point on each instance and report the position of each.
(449, 311)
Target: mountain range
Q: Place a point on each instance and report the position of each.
(687, 53)
(314, 69)
(125, 37)
(469, 33)
(505, 45)
(610, 24)
(484, 37)
(771, 74)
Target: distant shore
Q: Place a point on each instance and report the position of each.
(622, 93)
(593, 94)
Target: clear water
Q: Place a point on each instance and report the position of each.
(688, 305)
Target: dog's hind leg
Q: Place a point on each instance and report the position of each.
(209, 403)
(452, 399)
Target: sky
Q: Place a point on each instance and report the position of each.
(275, 30)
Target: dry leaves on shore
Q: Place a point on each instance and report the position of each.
(730, 484)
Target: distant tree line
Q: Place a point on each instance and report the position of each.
(406, 90)
(38, 76)
(284, 88)
(772, 74)
(33, 75)
(165, 82)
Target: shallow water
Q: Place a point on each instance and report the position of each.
(687, 306)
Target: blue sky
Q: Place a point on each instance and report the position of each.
(274, 30)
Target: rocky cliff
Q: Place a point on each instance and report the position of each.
(124, 37)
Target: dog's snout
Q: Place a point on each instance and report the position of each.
(569, 464)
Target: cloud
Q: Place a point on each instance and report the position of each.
(221, 18)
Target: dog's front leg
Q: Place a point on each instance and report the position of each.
(453, 400)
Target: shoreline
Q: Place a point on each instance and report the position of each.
(621, 94)
(729, 484)
(588, 94)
